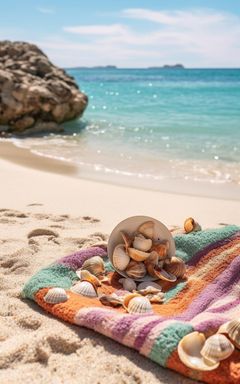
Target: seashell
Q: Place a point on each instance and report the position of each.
(129, 297)
(149, 290)
(111, 300)
(139, 305)
(151, 262)
(94, 265)
(161, 249)
(164, 275)
(147, 229)
(120, 257)
(136, 270)
(176, 266)
(232, 330)
(141, 243)
(128, 284)
(137, 255)
(190, 225)
(157, 298)
(85, 275)
(84, 288)
(127, 239)
(55, 296)
(146, 284)
(189, 352)
(217, 348)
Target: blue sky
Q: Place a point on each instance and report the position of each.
(133, 33)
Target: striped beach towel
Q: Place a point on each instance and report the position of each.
(208, 297)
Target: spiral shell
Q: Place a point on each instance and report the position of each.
(136, 270)
(217, 348)
(128, 284)
(84, 288)
(120, 257)
(137, 255)
(94, 265)
(232, 330)
(147, 229)
(141, 243)
(190, 225)
(176, 266)
(55, 296)
(139, 305)
(189, 352)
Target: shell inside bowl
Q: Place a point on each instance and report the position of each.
(130, 226)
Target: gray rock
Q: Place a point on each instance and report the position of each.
(35, 95)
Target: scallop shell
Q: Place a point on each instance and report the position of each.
(232, 329)
(55, 296)
(87, 276)
(161, 249)
(84, 288)
(141, 243)
(136, 270)
(137, 255)
(176, 266)
(189, 352)
(139, 305)
(120, 257)
(146, 284)
(190, 225)
(217, 348)
(94, 265)
(147, 229)
(127, 239)
(128, 284)
(129, 297)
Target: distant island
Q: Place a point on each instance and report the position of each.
(97, 67)
(167, 66)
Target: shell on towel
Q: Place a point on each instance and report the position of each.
(94, 265)
(189, 352)
(84, 274)
(85, 288)
(190, 225)
(176, 266)
(146, 284)
(232, 330)
(56, 296)
(217, 348)
(139, 304)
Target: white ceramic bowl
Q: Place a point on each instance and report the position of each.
(130, 225)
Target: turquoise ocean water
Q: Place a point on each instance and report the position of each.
(165, 129)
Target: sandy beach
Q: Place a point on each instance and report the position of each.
(38, 193)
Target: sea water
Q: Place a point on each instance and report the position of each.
(174, 130)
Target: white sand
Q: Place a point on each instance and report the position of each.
(35, 347)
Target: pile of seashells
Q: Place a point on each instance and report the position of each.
(199, 353)
(140, 254)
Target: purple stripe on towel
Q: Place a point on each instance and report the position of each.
(122, 327)
(213, 324)
(195, 259)
(140, 339)
(225, 307)
(219, 287)
(77, 259)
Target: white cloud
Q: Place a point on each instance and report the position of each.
(45, 10)
(112, 29)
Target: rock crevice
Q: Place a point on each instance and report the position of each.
(35, 95)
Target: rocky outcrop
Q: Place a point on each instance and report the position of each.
(35, 95)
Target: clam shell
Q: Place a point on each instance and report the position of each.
(111, 300)
(161, 249)
(141, 243)
(149, 290)
(217, 348)
(147, 229)
(94, 265)
(55, 296)
(189, 352)
(84, 288)
(151, 262)
(139, 305)
(137, 255)
(190, 225)
(136, 270)
(157, 298)
(120, 257)
(128, 284)
(176, 266)
(232, 329)
(146, 284)
(163, 275)
(127, 239)
(87, 276)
